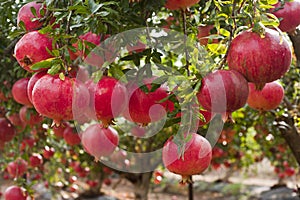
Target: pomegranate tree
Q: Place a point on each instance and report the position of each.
(27, 17)
(99, 141)
(289, 15)
(7, 131)
(59, 99)
(261, 59)
(223, 91)
(180, 4)
(32, 48)
(266, 99)
(14, 193)
(19, 91)
(195, 158)
(147, 107)
(108, 99)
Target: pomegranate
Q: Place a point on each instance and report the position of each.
(17, 168)
(14, 193)
(25, 14)
(32, 82)
(108, 99)
(16, 121)
(71, 136)
(36, 160)
(99, 141)
(59, 130)
(28, 51)
(48, 152)
(223, 91)
(204, 33)
(194, 160)
(260, 59)
(289, 15)
(19, 91)
(180, 4)
(145, 107)
(136, 47)
(138, 131)
(266, 99)
(7, 131)
(59, 99)
(30, 116)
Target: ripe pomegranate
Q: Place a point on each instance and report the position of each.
(16, 121)
(15, 193)
(204, 33)
(195, 159)
(266, 99)
(7, 131)
(289, 15)
(223, 91)
(137, 47)
(71, 136)
(59, 99)
(25, 14)
(27, 143)
(28, 51)
(99, 141)
(180, 4)
(48, 152)
(145, 107)
(108, 99)
(30, 116)
(260, 59)
(17, 168)
(87, 37)
(19, 91)
(36, 160)
(32, 82)
(59, 130)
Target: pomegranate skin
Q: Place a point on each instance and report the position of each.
(17, 168)
(71, 136)
(144, 107)
(7, 131)
(203, 34)
(223, 91)
(19, 92)
(26, 16)
(195, 160)
(59, 99)
(108, 99)
(180, 4)
(28, 51)
(99, 141)
(14, 193)
(35, 77)
(30, 117)
(290, 15)
(266, 99)
(260, 59)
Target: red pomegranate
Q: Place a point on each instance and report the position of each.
(71, 136)
(204, 33)
(180, 4)
(145, 107)
(19, 91)
(32, 48)
(48, 152)
(7, 131)
(260, 59)
(194, 160)
(14, 193)
(36, 160)
(99, 141)
(87, 37)
(30, 116)
(59, 99)
(136, 47)
(108, 99)
(17, 168)
(59, 130)
(289, 15)
(223, 91)
(15, 120)
(32, 82)
(25, 15)
(266, 99)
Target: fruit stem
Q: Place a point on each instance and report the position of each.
(183, 14)
(191, 189)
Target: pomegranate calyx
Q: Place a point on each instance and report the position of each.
(186, 179)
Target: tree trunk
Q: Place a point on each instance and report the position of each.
(141, 187)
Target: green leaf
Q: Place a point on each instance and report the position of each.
(96, 76)
(33, 10)
(54, 69)
(224, 32)
(43, 64)
(62, 76)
